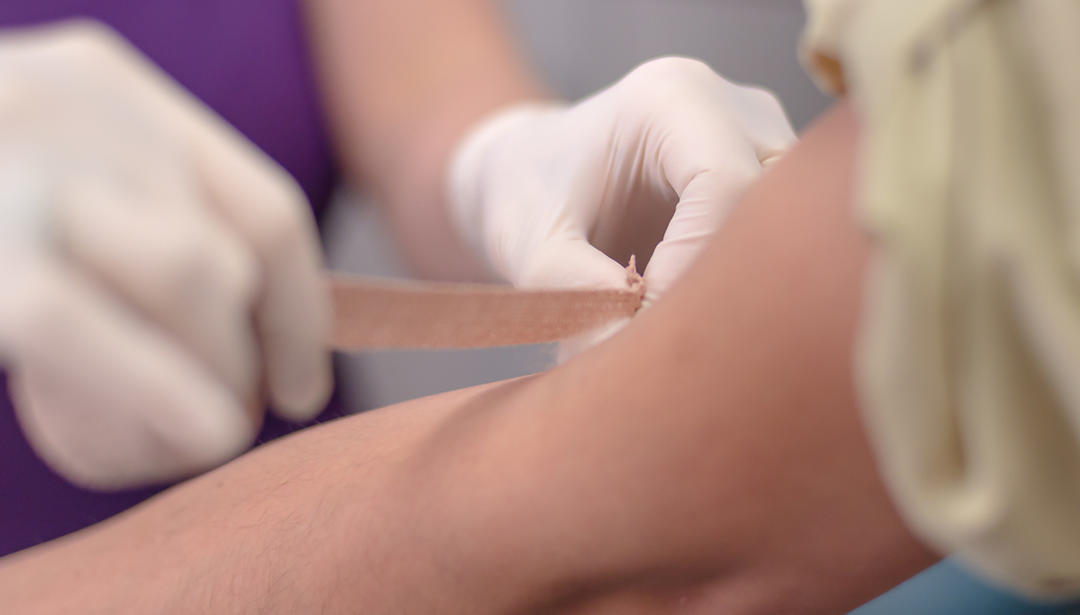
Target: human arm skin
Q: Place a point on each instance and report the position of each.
(707, 459)
(402, 81)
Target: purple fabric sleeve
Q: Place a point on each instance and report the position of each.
(248, 60)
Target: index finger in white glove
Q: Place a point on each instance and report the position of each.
(161, 418)
(709, 152)
(292, 312)
(266, 209)
(192, 278)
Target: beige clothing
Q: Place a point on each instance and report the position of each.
(969, 357)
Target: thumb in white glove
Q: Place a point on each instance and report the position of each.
(562, 196)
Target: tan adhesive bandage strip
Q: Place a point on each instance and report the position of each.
(371, 313)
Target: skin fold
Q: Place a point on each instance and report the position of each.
(707, 459)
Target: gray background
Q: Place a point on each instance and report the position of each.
(580, 46)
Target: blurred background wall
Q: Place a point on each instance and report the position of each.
(580, 46)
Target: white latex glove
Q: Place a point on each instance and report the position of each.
(557, 196)
(158, 274)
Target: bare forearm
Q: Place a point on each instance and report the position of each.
(404, 79)
(317, 522)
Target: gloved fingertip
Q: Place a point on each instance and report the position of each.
(215, 434)
(190, 431)
(301, 390)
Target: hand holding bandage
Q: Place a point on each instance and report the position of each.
(157, 272)
(561, 196)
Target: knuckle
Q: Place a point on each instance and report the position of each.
(88, 40)
(765, 100)
(39, 308)
(46, 74)
(75, 44)
(673, 67)
(222, 270)
(282, 224)
(188, 263)
(657, 84)
(672, 72)
(86, 30)
(236, 275)
(763, 96)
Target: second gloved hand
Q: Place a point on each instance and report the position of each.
(158, 274)
(562, 196)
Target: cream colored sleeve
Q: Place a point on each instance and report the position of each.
(969, 356)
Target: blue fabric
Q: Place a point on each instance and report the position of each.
(947, 589)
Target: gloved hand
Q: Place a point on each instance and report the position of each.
(158, 273)
(557, 196)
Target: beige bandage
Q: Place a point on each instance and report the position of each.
(372, 313)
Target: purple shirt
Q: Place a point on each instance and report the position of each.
(248, 60)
